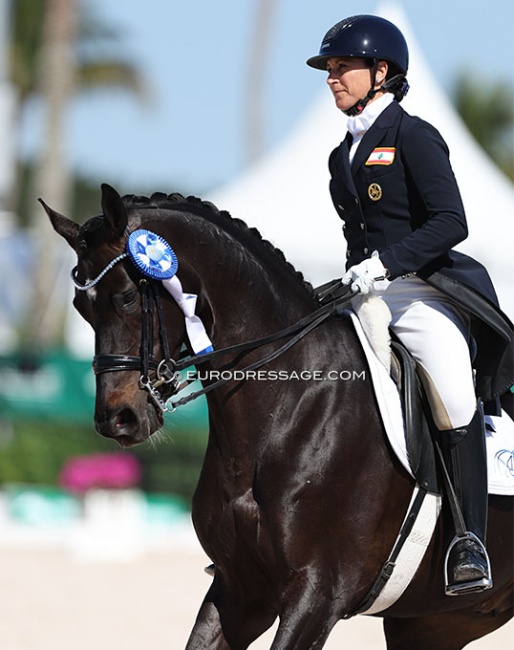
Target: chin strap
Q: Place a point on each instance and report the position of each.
(357, 108)
(398, 85)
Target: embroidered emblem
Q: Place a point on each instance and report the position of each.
(375, 192)
(381, 156)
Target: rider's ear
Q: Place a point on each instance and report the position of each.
(114, 211)
(62, 225)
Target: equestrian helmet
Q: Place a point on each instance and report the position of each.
(364, 36)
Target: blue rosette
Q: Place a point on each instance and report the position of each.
(152, 255)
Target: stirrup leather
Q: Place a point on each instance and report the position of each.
(473, 586)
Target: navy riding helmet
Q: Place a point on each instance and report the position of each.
(364, 36)
(372, 38)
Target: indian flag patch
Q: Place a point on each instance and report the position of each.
(381, 156)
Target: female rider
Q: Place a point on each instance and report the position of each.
(393, 187)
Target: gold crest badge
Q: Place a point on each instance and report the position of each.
(375, 192)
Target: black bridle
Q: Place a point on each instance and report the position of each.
(155, 374)
(164, 371)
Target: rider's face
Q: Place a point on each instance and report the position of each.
(349, 79)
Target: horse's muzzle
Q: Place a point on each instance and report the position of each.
(126, 426)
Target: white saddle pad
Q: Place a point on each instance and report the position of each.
(500, 441)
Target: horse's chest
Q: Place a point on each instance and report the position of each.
(232, 523)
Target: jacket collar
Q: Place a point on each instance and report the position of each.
(373, 136)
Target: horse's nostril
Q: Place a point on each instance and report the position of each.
(124, 425)
(124, 422)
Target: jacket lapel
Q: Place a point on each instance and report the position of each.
(375, 134)
(344, 152)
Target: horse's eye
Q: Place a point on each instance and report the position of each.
(129, 298)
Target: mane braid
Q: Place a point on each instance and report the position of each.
(221, 218)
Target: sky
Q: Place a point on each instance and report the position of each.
(194, 57)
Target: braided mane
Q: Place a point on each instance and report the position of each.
(250, 237)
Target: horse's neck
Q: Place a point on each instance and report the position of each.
(249, 297)
(247, 312)
(250, 301)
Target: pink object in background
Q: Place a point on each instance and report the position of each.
(104, 470)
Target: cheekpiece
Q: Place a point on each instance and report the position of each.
(152, 255)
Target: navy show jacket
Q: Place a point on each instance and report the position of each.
(400, 197)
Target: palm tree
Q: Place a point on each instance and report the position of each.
(89, 35)
(47, 62)
(27, 18)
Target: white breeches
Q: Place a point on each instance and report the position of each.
(436, 333)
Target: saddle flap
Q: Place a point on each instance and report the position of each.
(419, 443)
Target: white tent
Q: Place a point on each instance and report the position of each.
(286, 195)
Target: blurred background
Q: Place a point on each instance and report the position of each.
(211, 99)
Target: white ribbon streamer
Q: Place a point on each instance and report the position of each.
(196, 333)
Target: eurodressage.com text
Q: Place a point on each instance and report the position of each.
(277, 375)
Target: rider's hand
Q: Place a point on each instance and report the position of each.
(363, 276)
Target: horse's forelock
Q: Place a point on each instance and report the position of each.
(89, 228)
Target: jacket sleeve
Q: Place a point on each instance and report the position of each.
(425, 157)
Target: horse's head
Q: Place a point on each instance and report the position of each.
(140, 324)
(127, 315)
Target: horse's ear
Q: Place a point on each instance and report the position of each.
(62, 225)
(114, 211)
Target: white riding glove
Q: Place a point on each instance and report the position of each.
(363, 276)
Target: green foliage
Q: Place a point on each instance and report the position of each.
(173, 464)
(26, 35)
(35, 452)
(488, 112)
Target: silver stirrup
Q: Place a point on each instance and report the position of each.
(474, 586)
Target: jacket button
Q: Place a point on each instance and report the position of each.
(357, 200)
(365, 250)
(348, 254)
(341, 207)
(362, 225)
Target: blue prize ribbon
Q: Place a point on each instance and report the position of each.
(152, 255)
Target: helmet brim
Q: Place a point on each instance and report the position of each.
(318, 62)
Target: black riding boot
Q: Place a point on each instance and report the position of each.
(467, 567)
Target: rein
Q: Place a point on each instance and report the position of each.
(330, 296)
(167, 370)
(302, 328)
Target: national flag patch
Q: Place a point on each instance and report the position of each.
(381, 156)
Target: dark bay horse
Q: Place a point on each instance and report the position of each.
(299, 500)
